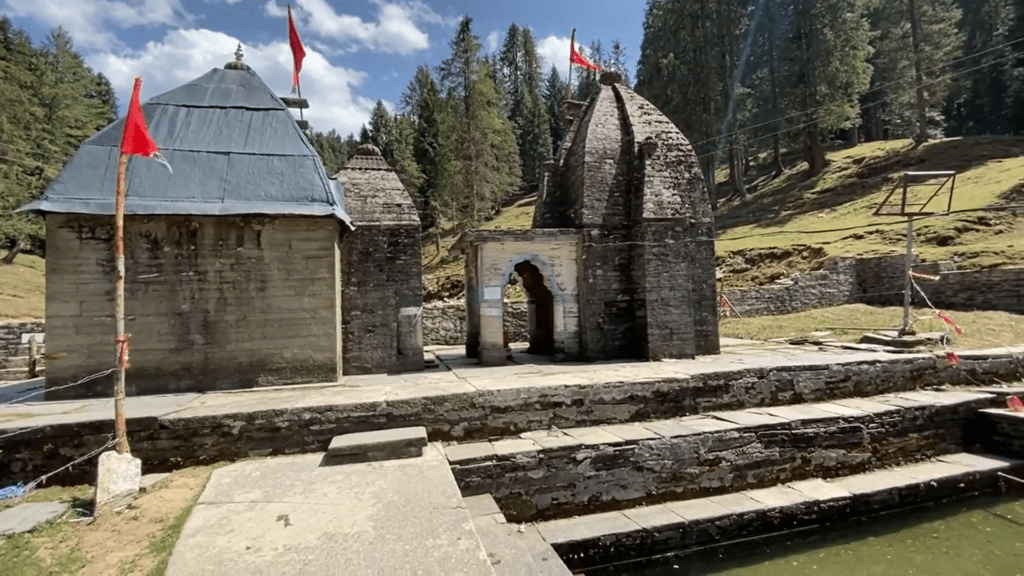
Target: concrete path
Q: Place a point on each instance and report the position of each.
(455, 374)
(289, 515)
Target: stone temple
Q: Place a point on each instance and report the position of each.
(620, 262)
(248, 266)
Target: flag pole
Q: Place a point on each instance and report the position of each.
(568, 83)
(120, 427)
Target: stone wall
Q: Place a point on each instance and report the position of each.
(212, 303)
(382, 299)
(166, 443)
(585, 475)
(879, 280)
(444, 323)
(11, 331)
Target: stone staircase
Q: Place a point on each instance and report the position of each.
(605, 493)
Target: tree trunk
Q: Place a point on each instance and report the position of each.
(854, 135)
(711, 181)
(922, 118)
(9, 258)
(814, 152)
(736, 172)
(773, 73)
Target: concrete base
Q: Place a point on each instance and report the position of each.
(27, 516)
(118, 478)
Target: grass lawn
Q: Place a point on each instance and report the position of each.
(137, 540)
(23, 288)
(848, 323)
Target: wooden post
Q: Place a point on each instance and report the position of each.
(120, 427)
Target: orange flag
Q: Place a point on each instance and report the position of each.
(298, 52)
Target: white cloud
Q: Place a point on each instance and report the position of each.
(89, 21)
(398, 29)
(186, 54)
(555, 50)
(273, 10)
(492, 40)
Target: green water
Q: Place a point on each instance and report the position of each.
(977, 537)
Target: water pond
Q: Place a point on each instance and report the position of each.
(982, 535)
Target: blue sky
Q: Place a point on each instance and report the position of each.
(357, 51)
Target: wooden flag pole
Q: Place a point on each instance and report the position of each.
(120, 427)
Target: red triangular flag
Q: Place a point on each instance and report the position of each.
(136, 140)
(298, 52)
(578, 59)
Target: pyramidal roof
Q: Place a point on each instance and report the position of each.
(234, 147)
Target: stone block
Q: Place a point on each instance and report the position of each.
(585, 528)
(376, 446)
(631, 432)
(593, 436)
(819, 489)
(654, 518)
(469, 453)
(737, 502)
(24, 517)
(699, 509)
(118, 477)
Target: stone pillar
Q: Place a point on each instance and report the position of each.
(410, 338)
(492, 337)
(472, 303)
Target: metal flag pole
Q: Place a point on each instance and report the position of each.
(568, 82)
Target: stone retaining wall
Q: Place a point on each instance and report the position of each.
(444, 323)
(11, 331)
(879, 280)
(583, 474)
(166, 443)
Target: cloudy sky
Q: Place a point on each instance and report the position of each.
(357, 51)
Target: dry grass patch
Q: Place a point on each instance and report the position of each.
(138, 540)
(848, 323)
(23, 288)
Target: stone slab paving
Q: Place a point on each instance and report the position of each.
(24, 517)
(289, 515)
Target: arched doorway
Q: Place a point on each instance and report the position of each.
(540, 309)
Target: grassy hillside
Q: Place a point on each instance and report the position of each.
(23, 288)
(793, 222)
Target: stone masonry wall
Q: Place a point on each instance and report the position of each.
(11, 331)
(444, 323)
(212, 303)
(879, 281)
(382, 299)
(575, 476)
(166, 443)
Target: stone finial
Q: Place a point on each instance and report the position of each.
(648, 147)
(611, 77)
(237, 63)
(367, 150)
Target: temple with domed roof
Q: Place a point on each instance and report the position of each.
(620, 262)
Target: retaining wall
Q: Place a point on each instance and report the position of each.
(444, 323)
(879, 280)
(166, 442)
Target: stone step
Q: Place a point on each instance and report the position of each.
(375, 446)
(512, 550)
(595, 539)
(552, 474)
(11, 374)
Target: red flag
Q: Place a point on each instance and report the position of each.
(136, 140)
(298, 52)
(578, 59)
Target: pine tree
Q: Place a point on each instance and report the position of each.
(381, 128)
(477, 138)
(828, 69)
(1015, 71)
(554, 94)
(422, 103)
(519, 71)
(402, 155)
(510, 72)
(617, 61)
(978, 102)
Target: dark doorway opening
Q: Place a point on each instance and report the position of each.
(540, 310)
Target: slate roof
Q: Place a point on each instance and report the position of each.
(234, 147)
(374, 193)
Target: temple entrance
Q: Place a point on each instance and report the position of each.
(540, 309)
